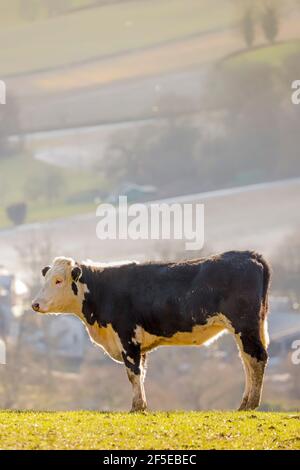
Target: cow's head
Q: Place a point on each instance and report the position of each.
(61, 289)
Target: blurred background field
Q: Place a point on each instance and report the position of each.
(106, 28)
(50, 192)
(155, 99)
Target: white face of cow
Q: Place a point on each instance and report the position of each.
(60, 293)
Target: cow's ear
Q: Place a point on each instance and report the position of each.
(45, 270)
(76, 273)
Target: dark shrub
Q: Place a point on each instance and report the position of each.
(17, 213)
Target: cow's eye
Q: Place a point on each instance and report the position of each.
(58, 281)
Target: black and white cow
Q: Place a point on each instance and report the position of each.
(134, 308)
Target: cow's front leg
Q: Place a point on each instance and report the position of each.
(135, 367)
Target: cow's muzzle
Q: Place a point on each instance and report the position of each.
(36, 307)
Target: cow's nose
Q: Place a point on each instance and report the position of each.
(36, 306)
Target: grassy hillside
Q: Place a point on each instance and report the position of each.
(173, 430)
(106, 30)
(273, 55)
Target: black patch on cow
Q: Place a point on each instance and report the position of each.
(88, 312)
(166, 298)
(252, 346)
(134, 367)
(74, 288)
(45, 270)
(76, 273)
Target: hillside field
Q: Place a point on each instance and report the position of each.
(167, 430)
(274, 55)
(104, 30)
(23, 178)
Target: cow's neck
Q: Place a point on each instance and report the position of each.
(90, 295)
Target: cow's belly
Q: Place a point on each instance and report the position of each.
(198, 336)
(108, 339)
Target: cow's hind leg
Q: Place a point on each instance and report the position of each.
(254, 356)
(143, 367)
(245, 398)
(136, 368)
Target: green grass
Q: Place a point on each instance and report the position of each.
(21, 176)
(106, 30)
(168, 430)
(273, 55)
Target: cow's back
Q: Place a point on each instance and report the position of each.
(166, 298)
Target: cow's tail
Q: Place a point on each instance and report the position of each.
(265, 300)
(266, 278)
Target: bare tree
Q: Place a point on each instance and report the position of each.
(248, 27)
(270, 22)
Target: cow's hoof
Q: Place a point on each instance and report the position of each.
(243, 407)
(248, 407)
(138, 408)
(142, 410)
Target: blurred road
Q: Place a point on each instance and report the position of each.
(252, 217)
